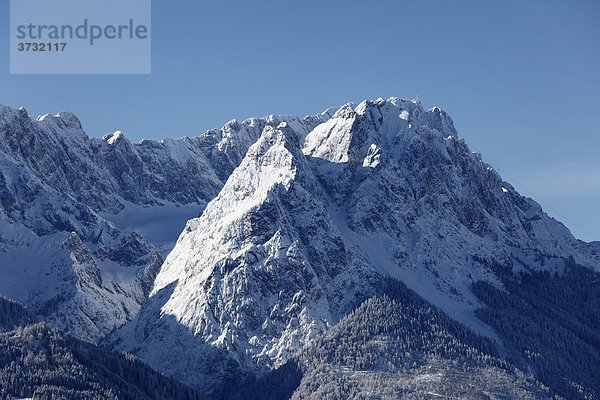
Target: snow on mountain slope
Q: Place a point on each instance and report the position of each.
(86, 222)
(107, 173)
(66, 262)
(160, 225)
(307, 224)
(258, 275)
(409, 193)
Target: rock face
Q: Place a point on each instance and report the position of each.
(108, 173)
(64, 261)
(263, 271)
(309, 222)
(75, 211)
(292, 223)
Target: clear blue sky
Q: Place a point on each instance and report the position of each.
(521, 79)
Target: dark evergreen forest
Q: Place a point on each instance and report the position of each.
(550, 325)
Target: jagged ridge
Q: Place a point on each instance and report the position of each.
(307, 224)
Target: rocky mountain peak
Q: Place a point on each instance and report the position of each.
(291, 223)
(113, 138)
(311, 220)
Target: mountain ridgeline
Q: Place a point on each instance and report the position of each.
(74, 211)
(361, 252)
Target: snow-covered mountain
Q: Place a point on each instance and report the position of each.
(311, 220)
(291, 224)
(86, 222)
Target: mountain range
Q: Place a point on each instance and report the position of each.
(365, 251)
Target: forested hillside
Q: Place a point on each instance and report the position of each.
(550, 325)
(396, 345)
(13, 315)
(40, 362)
